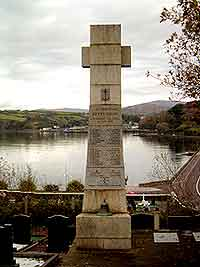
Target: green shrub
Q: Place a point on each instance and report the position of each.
(75, 187)
(27, 185)
(3, 184)
(27, 181)
(51, 188)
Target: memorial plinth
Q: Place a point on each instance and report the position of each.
(105, 180)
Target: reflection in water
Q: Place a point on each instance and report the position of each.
(55, 157)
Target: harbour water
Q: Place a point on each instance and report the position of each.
(58, 158)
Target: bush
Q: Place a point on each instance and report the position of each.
(75, 186)
(27, 185)
(27, 181)
(51, 188)
(3, 184)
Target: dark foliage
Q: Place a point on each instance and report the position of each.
(184, 48)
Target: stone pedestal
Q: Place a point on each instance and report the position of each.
(103, 232)
(115, 198)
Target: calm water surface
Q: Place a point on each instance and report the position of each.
(57, 158)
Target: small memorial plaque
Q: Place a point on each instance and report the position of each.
(166, 238)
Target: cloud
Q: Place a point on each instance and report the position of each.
(41, 43)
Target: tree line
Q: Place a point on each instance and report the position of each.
(182, 118)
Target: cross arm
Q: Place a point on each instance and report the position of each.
(126, 56)
(85, 57)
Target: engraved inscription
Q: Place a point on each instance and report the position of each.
(105, 177)
(104, 156)
(102, 181)
(105, 115)
(104, 136)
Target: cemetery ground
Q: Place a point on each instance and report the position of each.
(170, 248)
(175, 246)
(144, 252)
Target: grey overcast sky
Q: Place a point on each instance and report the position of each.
(40, 50)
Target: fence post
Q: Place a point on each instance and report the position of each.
(156, 221)
(26, 205)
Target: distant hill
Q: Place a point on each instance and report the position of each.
(72, 110)
(148, 108)
(153, 107)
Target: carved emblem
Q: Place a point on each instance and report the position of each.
(105, 95)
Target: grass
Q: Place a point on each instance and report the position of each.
(36, 119)
(12, 117)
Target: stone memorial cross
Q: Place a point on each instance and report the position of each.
(105, 180)
(105, 166)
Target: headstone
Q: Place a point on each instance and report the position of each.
(71, 233)
(22, 229)
(105, 179)
(196, 222)
(180, 222)
(142, 221)
(6, 247)
(58, 233)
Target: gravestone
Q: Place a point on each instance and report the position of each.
(142, 221)
(6, 247)
(22, 229)
(105, 179)
(180, 222)
(58, 233)
(196, 222)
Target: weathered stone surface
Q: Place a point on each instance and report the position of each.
(105, 74)
(105, 54)
(106, 232)
(105, 34)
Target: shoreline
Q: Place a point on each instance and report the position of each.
(135, 133)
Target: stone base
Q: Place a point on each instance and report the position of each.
(103, 232)
(116, 199)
